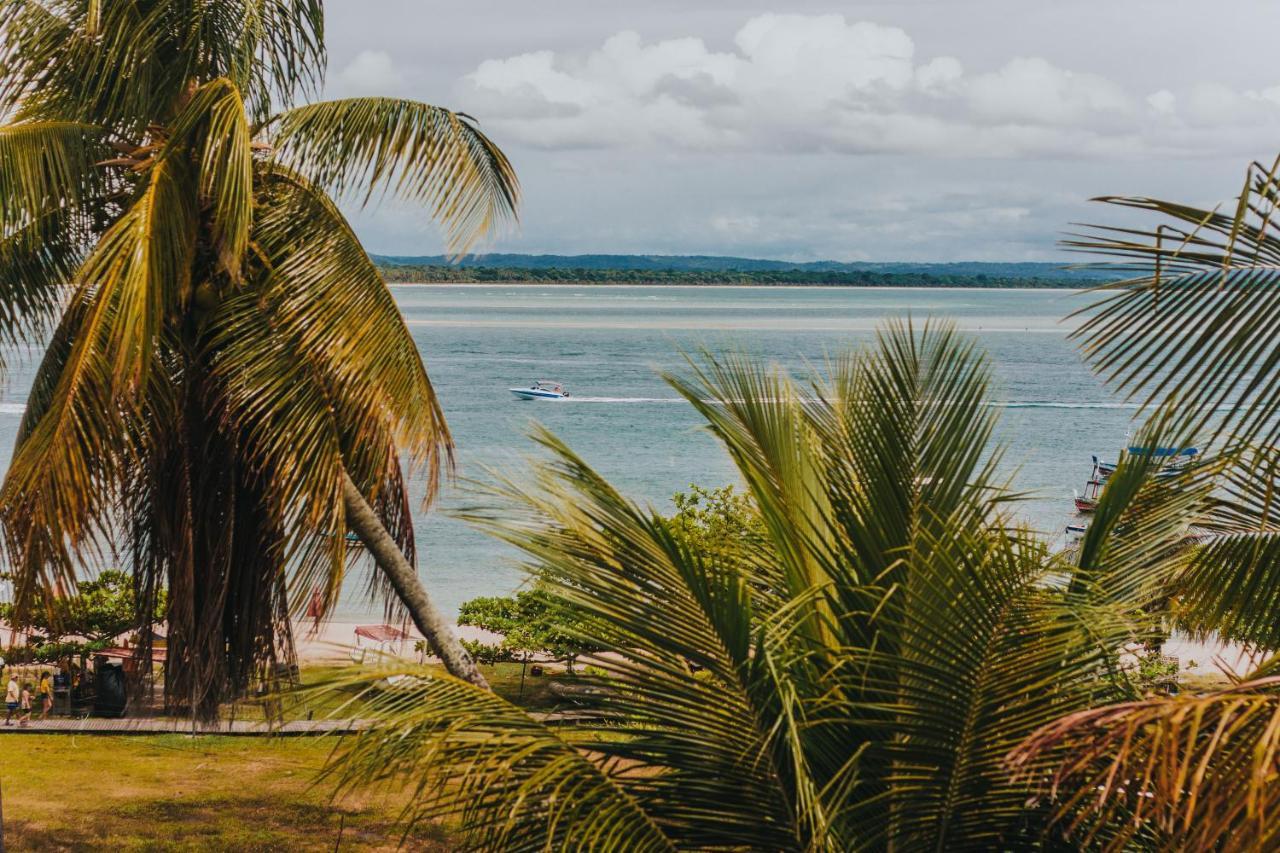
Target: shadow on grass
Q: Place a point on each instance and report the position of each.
(221, 824)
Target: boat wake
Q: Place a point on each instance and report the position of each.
(624, 400)
(1058, 404)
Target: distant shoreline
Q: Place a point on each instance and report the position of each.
(939, 278)
(1069, 287)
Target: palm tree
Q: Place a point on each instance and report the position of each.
(1194, 329)
(854, 683)
(228, 385)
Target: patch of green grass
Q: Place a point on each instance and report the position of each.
(173, 793)
(325, 690)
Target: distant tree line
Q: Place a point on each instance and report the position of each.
(860, 278)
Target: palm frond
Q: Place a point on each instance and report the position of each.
(58, 490)
(423, 153)
(510, 782)
(45, 166)
(1200, 314)
(37, 264)
(314, 396)
(1197, 772)
(1143, 531)
(123, 65)
(987, 655)
(696, 742)
(321, 278)
(1230, 585)
(217, 112)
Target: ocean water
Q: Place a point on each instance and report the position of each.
(609, 344)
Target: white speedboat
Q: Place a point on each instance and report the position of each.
(541, 390)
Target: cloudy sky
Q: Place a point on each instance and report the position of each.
(906, 130)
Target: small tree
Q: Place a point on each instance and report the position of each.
(102, 608)
(718, 523)
(529, 622)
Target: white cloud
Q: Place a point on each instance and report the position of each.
(1163, 102)
(822, 83)
(1030, 89)
(940, 76)
(372, 72)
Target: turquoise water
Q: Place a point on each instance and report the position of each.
(607, 344)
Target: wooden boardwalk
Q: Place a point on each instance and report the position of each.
(249, 728)
(175, 726)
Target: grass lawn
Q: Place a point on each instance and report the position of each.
(171, 792)
(63, 792)
(319, 698)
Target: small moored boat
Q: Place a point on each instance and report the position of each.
(541, 390)
(1174, 459)
(1088, 502)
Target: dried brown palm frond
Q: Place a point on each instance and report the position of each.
(1192, 773)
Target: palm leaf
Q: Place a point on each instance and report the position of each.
(510, 782)
(423, 153)
(217, 113)
(53, 500)
(1200, 314)
(909, 641)
(37, 263)
(1230, 585)
(44, 166)
(322, 278)
(1198, 772)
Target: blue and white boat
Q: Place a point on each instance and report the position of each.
(1174, 458)
(541, 390)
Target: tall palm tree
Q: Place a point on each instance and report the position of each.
(229, 385)
(855, 683)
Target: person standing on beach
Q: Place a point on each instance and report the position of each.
(11, 699)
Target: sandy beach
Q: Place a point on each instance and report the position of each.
(338, 642)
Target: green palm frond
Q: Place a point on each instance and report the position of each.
(322, 278)
(37, 264)
(44, 166)
(1192, 773)
(986, 656)
(1200, 314)
(1231, 583)
(106, 75)
(280, 407)
(474, 758)
(661, 611)
(315, 396)
(217, 112)
(123, 64)
(420, 152)
(273, 49)
(51, 502)
(1143, 532)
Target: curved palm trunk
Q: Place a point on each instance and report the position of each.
(431, 622)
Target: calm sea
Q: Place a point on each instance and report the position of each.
(608, 344)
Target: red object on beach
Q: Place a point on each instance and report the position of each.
(381, 633)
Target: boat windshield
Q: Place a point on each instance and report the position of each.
(543, 385)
